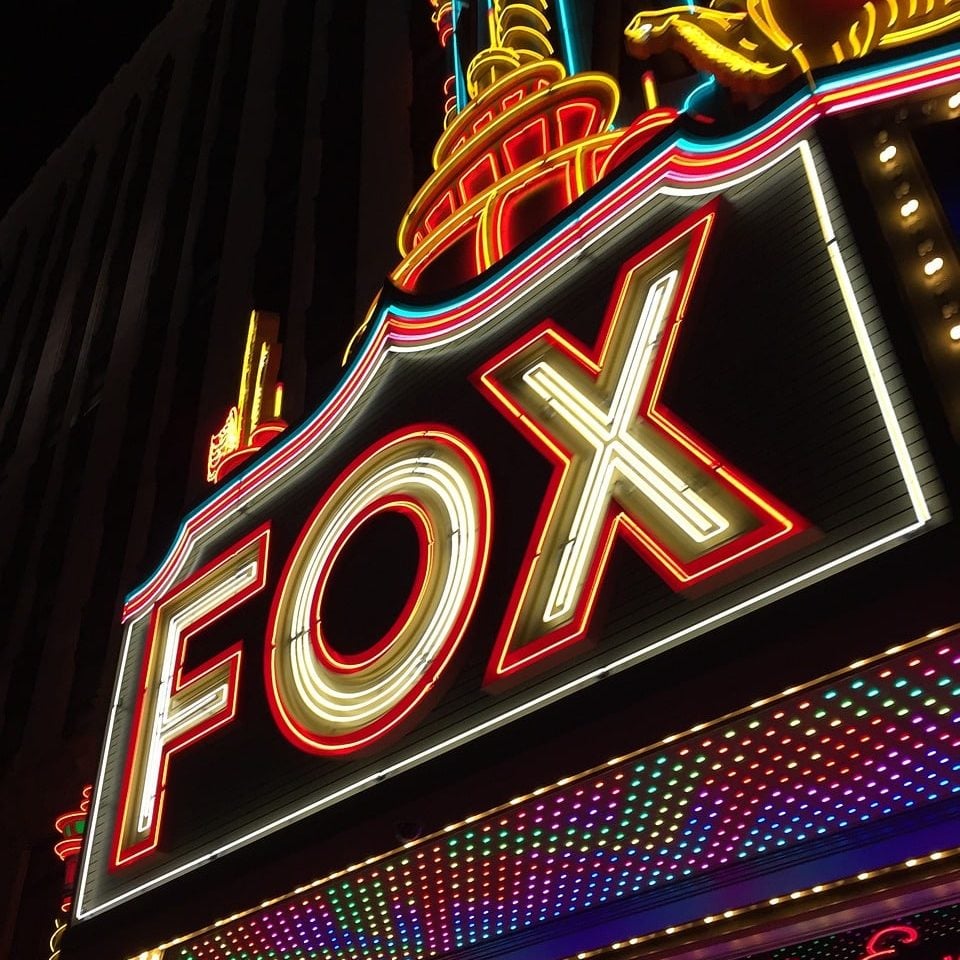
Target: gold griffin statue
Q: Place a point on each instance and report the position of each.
(758, 46)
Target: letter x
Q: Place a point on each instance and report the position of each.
(624, 464)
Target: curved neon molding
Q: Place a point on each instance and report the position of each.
(328, 704)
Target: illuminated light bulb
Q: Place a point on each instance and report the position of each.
(954, 101)
(909, 208)
(888, 153)
(955, 333)
(933, 266)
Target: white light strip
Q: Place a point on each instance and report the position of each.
(617, 453)
(910, 477)
(348, 702)
(87, 847)
(169, 721)
(478, 728)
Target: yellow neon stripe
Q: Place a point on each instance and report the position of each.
(871, 26)
(910, 34)
(763, 16)
(855, 47)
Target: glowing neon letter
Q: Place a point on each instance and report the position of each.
(326, 702)
(624, 463)
(175, 709)
(884, 942)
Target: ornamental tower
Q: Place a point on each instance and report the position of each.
(523, 139)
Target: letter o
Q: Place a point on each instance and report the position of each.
(330, 703)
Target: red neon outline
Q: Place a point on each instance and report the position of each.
(352, 663)
(231, 658)
(673, 165)
(374, 731)
(552, 180)
(574, 117)
(74, 816)
(910, 935)
(469, 226)
(581, 114)
(776, 521)
(643, 129)
(536, 132)
(68, 848)
(483, 171)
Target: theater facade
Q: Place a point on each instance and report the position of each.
(607, 604)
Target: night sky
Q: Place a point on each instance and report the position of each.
(55, 58)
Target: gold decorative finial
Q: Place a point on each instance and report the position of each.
(527, 143)
(255, 418)
(518, 36)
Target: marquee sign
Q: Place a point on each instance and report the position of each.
(680, 399)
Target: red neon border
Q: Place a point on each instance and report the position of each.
(776, 521)
(674, 165)
(334, 660)
(369, 734)
(231, 657)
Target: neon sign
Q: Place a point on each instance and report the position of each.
(176, 708)
(333, 704)
(517, 489)
(687, 512)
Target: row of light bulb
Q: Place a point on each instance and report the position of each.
(933, 263)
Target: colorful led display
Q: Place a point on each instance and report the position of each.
(762, 786)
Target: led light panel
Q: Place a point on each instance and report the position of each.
(871, 743)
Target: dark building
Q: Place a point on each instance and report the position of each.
(640, 453)
(200, 185)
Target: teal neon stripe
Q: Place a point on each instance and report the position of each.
(570, 48)
(460, 81)
(696, 91)
(848, 79)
